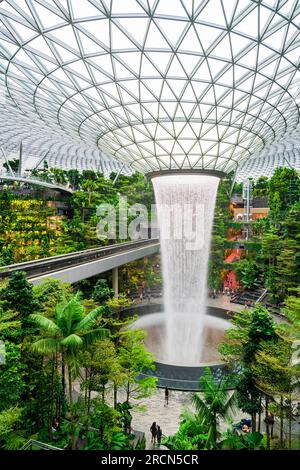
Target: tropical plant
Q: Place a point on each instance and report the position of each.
(69, 332)
(199, 429)
(135, 359)
(239, 351)
(12, 374)
(9, 422)
(18, 295)
(249, 441)
(8, 321)
(247, 273)
(216, 404)
(102, 293)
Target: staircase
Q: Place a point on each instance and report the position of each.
(249, 297)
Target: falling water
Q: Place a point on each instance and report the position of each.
(185, 209)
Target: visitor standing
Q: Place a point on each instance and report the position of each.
(153, 431)
(159, 435)
(166, 396)
(270, 421)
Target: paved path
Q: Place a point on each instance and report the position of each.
(153, 409)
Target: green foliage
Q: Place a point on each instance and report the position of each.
(107, 419)
(249, 441)
(270, 246)
(260, 226)
(118, 441)
(51, 292)
(13, 164)
(288, 267)
(261, 328)
(12, 374)
(200, 429)
(101, 367)
(8, 323)
(18, 295)
(247, 273)
(102, 293)
(284, 191)
(260, 187)
(31, 228)
(275, 209)
(119, 303)
(135, 359)
(70, 331)
(242, 343)
(9, 421)
(47, 400)
(275, 257)
(219, 234)
(28, 228)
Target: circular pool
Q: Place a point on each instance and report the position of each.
(184, 376)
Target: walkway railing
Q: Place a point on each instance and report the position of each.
(56, 263)
(262, 296)
(6, 176)
(32, 444)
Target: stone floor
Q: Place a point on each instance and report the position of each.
(167, 417)
(150, 409)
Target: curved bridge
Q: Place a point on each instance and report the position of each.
(80, 265)
(36, 182)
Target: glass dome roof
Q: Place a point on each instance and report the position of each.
(159, 85)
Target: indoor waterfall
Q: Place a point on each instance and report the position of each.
(185, 210)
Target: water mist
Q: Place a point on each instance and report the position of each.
(185, 209)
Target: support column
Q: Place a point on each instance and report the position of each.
(115, 282)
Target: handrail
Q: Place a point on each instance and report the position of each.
(83, 252)
(261, 297)
(59, 262)
(40, 445)
(35, 180)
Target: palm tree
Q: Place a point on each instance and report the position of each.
(216, 404)
(90, 187)
(67, 334)
(199, 429)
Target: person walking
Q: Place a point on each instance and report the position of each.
(153, 431)
(159, 435)
(166, 396)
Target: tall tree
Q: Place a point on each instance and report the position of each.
(135, 359)
(240, 348)
(284, 189)
(18, 296)
(200, 429)
(68, 333)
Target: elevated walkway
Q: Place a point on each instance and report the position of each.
(35, 182)
(74, 267)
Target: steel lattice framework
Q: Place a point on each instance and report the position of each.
(159, 84)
